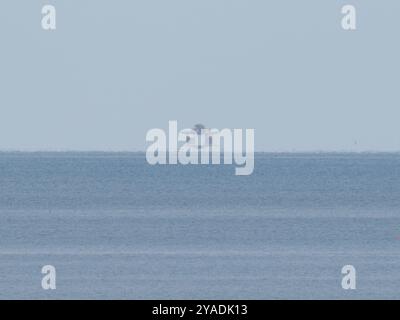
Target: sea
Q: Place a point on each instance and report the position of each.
(115, 227)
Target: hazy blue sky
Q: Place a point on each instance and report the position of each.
(114, 69)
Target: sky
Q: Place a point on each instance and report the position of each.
(115, 69)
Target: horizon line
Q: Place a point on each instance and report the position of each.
(257, 151)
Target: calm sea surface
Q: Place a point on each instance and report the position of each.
(116, 227)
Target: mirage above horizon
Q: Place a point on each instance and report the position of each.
(199, 144)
